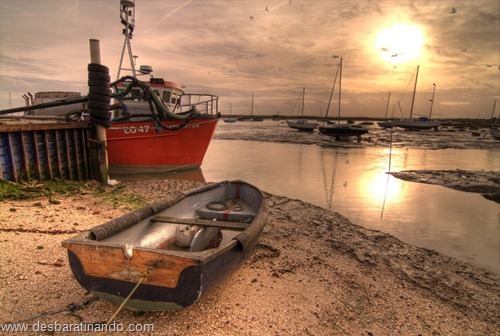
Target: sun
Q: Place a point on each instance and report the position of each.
(400, 43)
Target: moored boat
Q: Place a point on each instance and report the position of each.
(495, 132)
(174, 137)
(302, 125)
(341, 131)
(152, 126)
(417, 124)
(173, 251)
(422, 123)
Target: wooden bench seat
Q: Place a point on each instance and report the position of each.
(202, 222)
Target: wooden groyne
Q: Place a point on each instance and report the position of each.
(45, 150)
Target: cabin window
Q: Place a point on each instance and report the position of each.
(174, 98)
(166, 96)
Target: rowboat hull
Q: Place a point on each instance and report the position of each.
(138, 248)
(139, 147)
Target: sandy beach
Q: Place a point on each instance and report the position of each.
(312, 273)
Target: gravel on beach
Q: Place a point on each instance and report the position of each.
(312, 273)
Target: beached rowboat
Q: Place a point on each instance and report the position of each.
(176, 249)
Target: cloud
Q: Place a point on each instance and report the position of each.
(215, 47)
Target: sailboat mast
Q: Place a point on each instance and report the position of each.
(303, 99)
(340, 85)
(493, 112)
(387, 107)
(331, 94)
(432, 99)
(414, 92)
(252, 106)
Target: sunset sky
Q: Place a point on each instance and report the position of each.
(234, 48)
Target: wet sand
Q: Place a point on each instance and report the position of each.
(313, 273)
(486, 183)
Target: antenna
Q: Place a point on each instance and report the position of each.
(127, 18)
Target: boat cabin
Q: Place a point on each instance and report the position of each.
(169, 92)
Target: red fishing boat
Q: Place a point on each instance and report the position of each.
(175, 138)
(152, 125)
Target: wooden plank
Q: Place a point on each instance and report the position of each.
(201, 222)
(33, 126)
(111, 263)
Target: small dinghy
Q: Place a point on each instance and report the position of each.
(168, 253)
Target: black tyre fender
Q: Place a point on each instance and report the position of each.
(102, 122)
(94, 67)
(97, 83)
(100, 114)
(100, 90)
(97, 105)
(98, 97)
(99, 76)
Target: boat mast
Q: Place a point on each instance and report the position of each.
(493, 112)
(414, 92)
(387, 107)
(340, 85)
(252, 106)
(303, 98)
(432, 99)
(127, 16)
(331, 94)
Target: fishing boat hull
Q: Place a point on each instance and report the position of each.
(138, 255)
(140, 147)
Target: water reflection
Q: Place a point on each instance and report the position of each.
(192, 174)
(355, 183)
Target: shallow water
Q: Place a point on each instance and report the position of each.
(354, 183)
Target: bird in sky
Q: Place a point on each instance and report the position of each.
(267, 10)
(251, 18)
(453, 10)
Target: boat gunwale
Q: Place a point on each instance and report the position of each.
(245, 238)
(199, 257)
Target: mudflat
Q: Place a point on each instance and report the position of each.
(312, 273)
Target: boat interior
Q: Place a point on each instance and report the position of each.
(209, 225)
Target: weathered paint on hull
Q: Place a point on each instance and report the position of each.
(193, 282)
(139, 147)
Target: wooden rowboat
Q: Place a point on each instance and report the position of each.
(176, 250)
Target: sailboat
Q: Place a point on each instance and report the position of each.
(422, 123)
(495, 132)
(302, 125)
(341, 131)
(251, 113)
(386, 123)
(230, 119)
